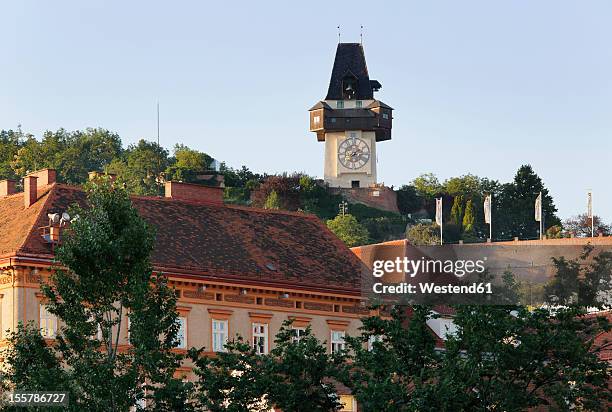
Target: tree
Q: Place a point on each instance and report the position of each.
(584, 281)
(515, 206)
(423, 235)
(456, 216)
(141, 168)
(511, 358)
(272, 201)
(187, 164)
(348, 230)
(468, 218)
(408, 201)
(390, 364)
(427, 185)
(301, 373)
(231, 381)
(105, 274)
(580, 226)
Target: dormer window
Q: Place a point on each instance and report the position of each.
(385, 116)
(340, 104)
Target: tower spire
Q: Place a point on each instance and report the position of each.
(338, 34)
(361, 35)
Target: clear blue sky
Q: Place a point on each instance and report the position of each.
(478, 86)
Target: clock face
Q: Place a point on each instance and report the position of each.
(353, 153)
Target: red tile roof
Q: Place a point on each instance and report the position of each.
(214, 241)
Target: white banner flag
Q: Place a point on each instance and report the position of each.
(590, 205)
(487, 209)
(439, 211)
(538, 208)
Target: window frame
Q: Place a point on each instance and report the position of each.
(261, 348)
(49, 318)
(337, 345)
(182, 337)
(224, 334)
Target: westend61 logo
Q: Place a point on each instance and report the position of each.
(411, 267)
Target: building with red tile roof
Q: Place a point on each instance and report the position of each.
(232, 266)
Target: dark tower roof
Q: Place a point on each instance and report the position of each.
(350, 63)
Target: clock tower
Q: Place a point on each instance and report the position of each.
(351, 121)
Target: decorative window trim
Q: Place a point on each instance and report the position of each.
(300, 321)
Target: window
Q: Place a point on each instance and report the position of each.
(372, 339)
(340, 104)
(316, 119)
(260, 338)
(181, 336)
(298, 333)
(219, 335)
(337, 341)
(354, 184)
(48, 323)
(333, 120)
(358, 104)
(385, 116)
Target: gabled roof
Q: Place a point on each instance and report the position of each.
(320, 105)
(221, 242)
(378, 103)
(350, 61)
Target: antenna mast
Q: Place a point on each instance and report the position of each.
(158, 123)
(338, 34)
(361, 35)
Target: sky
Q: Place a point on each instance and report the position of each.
(478, 87)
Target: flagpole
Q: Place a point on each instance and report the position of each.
(541, 212)
(491, 217)
(441, 222)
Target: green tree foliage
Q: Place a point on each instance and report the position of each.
(468, 217)
(423, 234)
(456, 216)
(297, 375)
(510, 358)
(72, 154)
(349, 230)
(187, 164)
(231, 381)
(10, 143)
(427, 186)
(272, 201)
(301, 373)
(141, 168)
(584, 281)
(105, 274)
(514, 206)
(395, 372)
(408, 200)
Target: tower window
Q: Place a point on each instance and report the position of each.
(317, 119)
(358, 104)
(385, 116)
(340, 104)
(354, 183)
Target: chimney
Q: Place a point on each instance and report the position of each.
(7, 187)
(30, 194)
(194, 192)
(45, 177)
